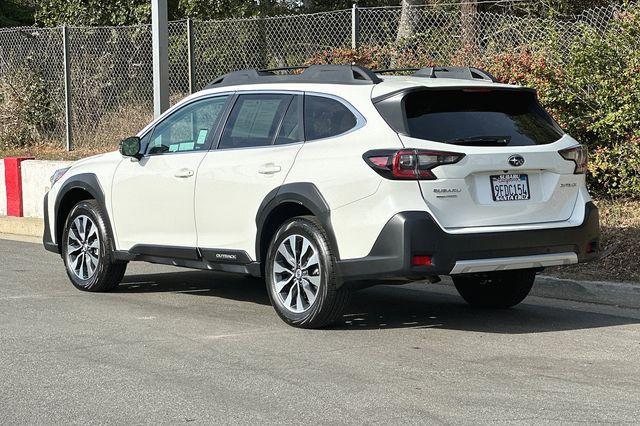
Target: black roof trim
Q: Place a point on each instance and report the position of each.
(334, 74)
(392, 70)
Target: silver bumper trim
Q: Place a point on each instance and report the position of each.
(516, 262)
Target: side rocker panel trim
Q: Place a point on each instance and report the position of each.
(171, 252)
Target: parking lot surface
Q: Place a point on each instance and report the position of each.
(173, 345)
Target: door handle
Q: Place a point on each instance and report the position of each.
(269, 169)
(184, 173)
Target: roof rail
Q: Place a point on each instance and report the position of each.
(392, 70)
(334, 74)
(464, 73)
(271, 70)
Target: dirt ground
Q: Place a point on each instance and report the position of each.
(620, 257)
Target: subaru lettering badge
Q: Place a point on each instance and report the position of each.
(516, 160)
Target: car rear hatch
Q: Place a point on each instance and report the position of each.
(511, 172)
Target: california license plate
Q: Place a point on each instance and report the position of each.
(510, 187)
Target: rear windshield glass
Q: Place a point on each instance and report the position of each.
(467, 117)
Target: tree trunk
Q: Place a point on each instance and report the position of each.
(468, 14)
(406, 26)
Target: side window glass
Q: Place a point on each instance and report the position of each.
(188, 128)
(291, 129)
(326, 117)
(254, 120)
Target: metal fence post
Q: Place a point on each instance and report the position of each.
(190, 57)
(355, 27)
(67, 87)
(160, 46)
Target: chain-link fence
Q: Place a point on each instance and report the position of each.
(110, 68)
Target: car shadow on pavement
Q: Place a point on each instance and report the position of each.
(199, 283)
(387, 307)
(402, 307)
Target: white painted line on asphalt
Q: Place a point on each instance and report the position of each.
(21, 238)
(248, 333)
(34, 296)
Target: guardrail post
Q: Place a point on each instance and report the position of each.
(67, 87)
(191, 58)
(355, 26)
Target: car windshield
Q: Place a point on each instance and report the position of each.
(479, 117)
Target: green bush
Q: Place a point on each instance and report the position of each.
(615, 170)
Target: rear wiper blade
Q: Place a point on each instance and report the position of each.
(480, 140)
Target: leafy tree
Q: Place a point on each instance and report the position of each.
(16, 13)
(93, 12)
(326, 5)
(128, 12)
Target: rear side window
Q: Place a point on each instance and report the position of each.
(479, 118)
(254, 120)
(326, 117)
(291, 127)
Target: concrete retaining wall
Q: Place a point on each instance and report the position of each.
(35, 183)
(3, 191)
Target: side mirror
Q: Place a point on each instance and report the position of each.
(130, 147)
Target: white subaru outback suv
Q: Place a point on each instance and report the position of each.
(334, 179)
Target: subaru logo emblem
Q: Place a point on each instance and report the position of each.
(516, 160)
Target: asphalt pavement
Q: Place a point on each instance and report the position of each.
(173, 346)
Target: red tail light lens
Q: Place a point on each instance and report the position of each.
(409, 163)
(577, 154)
(421, 261)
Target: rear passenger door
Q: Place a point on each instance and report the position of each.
(256, 149)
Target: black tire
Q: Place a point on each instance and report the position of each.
(498, 290)
(331, 297)
(108, 272)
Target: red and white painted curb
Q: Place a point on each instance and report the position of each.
(13, 185)
(23, 183)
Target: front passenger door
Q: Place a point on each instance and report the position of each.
(152, 199)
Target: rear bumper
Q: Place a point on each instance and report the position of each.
(414, 233)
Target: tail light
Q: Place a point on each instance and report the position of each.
(577, 154)
(409, 163)
(421, 261)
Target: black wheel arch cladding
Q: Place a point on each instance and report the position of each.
(87, 182)
(305, 194)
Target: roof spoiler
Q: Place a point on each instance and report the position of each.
(462, 73)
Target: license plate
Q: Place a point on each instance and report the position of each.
(510, 187)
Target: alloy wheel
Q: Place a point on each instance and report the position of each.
(296, 273)
(83, 247)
